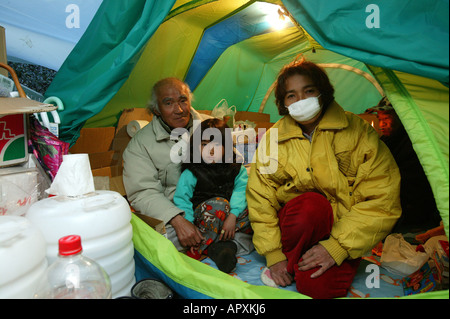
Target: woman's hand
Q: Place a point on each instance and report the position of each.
(228, 228)
(280, 274)
(315, 257)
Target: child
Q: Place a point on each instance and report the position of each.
(211, 191)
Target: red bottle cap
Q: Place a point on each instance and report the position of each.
(69, 245)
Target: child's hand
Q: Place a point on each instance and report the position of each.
(228, 228)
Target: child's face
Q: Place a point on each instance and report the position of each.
(212, 152)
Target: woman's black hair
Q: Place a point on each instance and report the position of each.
(303, 67)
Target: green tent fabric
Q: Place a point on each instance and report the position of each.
(131, 45)
(403, 36)
(423, 107)
(103, 58)
(262, 57)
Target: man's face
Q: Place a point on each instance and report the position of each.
(174, 104)
(387, 123)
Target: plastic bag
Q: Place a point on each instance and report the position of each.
(47, 148)
(222, 111)
(400, 257)
(19, 189)
(243, 125)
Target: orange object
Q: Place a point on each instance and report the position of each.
(378, 249)
(431, 233)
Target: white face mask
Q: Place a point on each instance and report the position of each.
(305, 110)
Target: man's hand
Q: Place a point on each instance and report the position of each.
(187, 233)
(317, 256)
(280, 275)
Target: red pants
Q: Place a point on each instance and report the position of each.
(304, 221)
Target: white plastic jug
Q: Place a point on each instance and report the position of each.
(22, 257)
(102, 220)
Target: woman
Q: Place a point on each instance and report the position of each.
(334, 194)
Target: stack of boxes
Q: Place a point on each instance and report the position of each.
(19, 174)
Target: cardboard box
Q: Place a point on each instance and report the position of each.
(252, 117)
(97, 143)
(20, 105)
(13, 139)
(94, 140)
(156, 224)
(105, 146)
(13, 128)
(110, 171)
(101, 159)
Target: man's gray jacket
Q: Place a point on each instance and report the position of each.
(150, 173)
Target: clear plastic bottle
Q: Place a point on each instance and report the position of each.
(74, 276)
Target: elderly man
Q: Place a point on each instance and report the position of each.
(150, 175)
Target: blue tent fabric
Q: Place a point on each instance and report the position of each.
(411, 36)
(239, 27)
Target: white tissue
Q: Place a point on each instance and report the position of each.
(134, 126)
(74, 177)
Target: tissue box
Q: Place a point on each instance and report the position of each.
(13, 140)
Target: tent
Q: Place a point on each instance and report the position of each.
(229, 49)
(44, 32)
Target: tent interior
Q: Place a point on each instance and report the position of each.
(233, 50)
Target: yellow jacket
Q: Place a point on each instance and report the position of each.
(346, 162)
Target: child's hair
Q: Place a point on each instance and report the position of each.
(219, 129)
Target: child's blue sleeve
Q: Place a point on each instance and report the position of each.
(184, 192)
(238, 201)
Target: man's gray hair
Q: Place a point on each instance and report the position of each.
(152, 104)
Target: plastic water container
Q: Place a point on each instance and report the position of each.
(22, 257)
(74, 276)
(102, 220)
